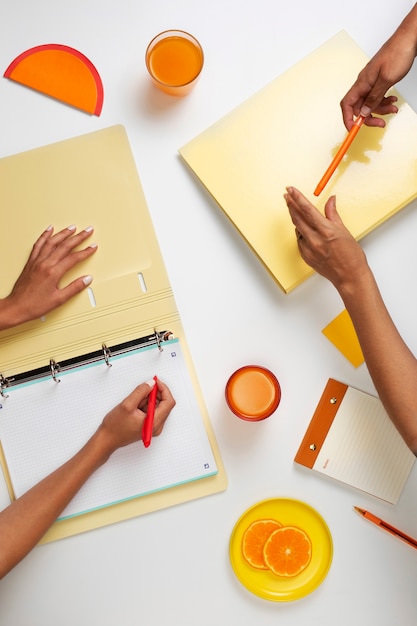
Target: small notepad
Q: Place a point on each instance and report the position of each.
(351, 439)
(44, 423)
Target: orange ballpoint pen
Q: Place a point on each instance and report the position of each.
(339, 155)
(385, 526)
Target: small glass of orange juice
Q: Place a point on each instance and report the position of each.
(253, 393)
(174, 60)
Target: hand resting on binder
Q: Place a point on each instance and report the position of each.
(37, 291)
(26, 520)
(327, 246)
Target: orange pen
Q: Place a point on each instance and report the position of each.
(339, 155)
(385, 526)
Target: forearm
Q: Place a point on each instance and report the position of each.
(391, 364)
(28, 518)
(408, 28)
(327, 246)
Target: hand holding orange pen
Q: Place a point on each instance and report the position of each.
(339, 155)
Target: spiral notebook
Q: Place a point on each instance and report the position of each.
(351, 438)
(123, 329)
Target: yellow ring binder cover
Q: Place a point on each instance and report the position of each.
(90, 179)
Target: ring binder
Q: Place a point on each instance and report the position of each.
(54, 368)
(106, 354)
(4, 383)
(162, 336)
(156, 338)
(126, 311)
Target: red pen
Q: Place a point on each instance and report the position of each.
(148, 423)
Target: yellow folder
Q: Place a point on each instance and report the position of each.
(92, 179)
(287, 134)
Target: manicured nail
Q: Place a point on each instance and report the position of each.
(365, 111)
(87, 280)
(89, 229)
(150, 383)
(72, 227)
(93, 245)
(50, 227)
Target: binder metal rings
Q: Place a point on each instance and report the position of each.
(157, 338)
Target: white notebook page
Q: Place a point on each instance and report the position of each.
(44, 423)
(364, 449)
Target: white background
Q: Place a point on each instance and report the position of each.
(172, 566)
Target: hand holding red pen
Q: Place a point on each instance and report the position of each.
(20, 531)
(123, 424)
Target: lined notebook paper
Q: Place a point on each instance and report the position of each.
(44, 423)
(352, 439)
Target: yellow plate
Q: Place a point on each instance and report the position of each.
(264, 583)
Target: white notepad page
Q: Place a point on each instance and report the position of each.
(364, 449)
(44, 423)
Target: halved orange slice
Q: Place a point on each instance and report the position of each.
(254, 539)
(287, 551)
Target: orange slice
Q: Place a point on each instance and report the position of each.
(287, 551)
(254, 539)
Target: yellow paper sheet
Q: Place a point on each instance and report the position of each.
(287, 134)
(342, 334)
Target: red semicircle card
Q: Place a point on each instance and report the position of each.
(62, 73)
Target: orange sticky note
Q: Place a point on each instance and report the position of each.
(342, 334)
(62, 73)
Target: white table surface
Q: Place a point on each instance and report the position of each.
(172, 566)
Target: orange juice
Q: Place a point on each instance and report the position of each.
(174, 60)
(253, 393)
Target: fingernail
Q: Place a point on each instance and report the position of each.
(365, 111)
(150, 382)
(50, 227)
(72, 227)
(87, 280)
(93, 245)
(89, 229)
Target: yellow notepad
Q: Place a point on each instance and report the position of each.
(351, 438)
(86, 180)
(287, 134)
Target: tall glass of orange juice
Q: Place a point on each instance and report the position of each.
(174, 60)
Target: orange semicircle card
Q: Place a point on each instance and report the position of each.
(62, 73)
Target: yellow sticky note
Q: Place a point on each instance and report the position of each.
(342, 334)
